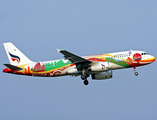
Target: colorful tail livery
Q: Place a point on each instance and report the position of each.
(99, 67)
(16, 57)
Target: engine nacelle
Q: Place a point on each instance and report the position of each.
(102, 75)
(99, 66)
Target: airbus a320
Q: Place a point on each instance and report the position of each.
(99, 67)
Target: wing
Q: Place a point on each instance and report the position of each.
(79, 61)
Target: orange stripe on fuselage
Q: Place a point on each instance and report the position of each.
(25, 70)
(29, 70)
(147, 60)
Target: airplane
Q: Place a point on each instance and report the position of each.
(99, 67)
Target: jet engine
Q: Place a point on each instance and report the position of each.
(102, 75)
(99, 66)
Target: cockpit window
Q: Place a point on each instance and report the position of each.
(144, 53)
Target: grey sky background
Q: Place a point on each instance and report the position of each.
(83, 27)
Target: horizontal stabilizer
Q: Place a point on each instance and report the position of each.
(12, 67)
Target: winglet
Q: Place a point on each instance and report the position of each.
(58, 50)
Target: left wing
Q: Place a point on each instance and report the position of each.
(74, 58)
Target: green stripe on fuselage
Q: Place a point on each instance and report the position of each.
(119, 62)
(55, 65)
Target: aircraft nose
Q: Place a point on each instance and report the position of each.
(153, 58)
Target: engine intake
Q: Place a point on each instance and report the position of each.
(102, 75)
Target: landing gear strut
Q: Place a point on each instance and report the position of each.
(136, 73)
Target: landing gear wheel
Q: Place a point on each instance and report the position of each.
(136, 73)
(86, 82)
(83, 76)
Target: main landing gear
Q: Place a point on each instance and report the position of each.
(86, 82)
(84, 77)
(136, 73)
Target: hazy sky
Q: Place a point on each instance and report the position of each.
(83, 27)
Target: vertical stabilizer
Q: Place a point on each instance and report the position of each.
(16, 57)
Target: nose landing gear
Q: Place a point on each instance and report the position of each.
(136, 73)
